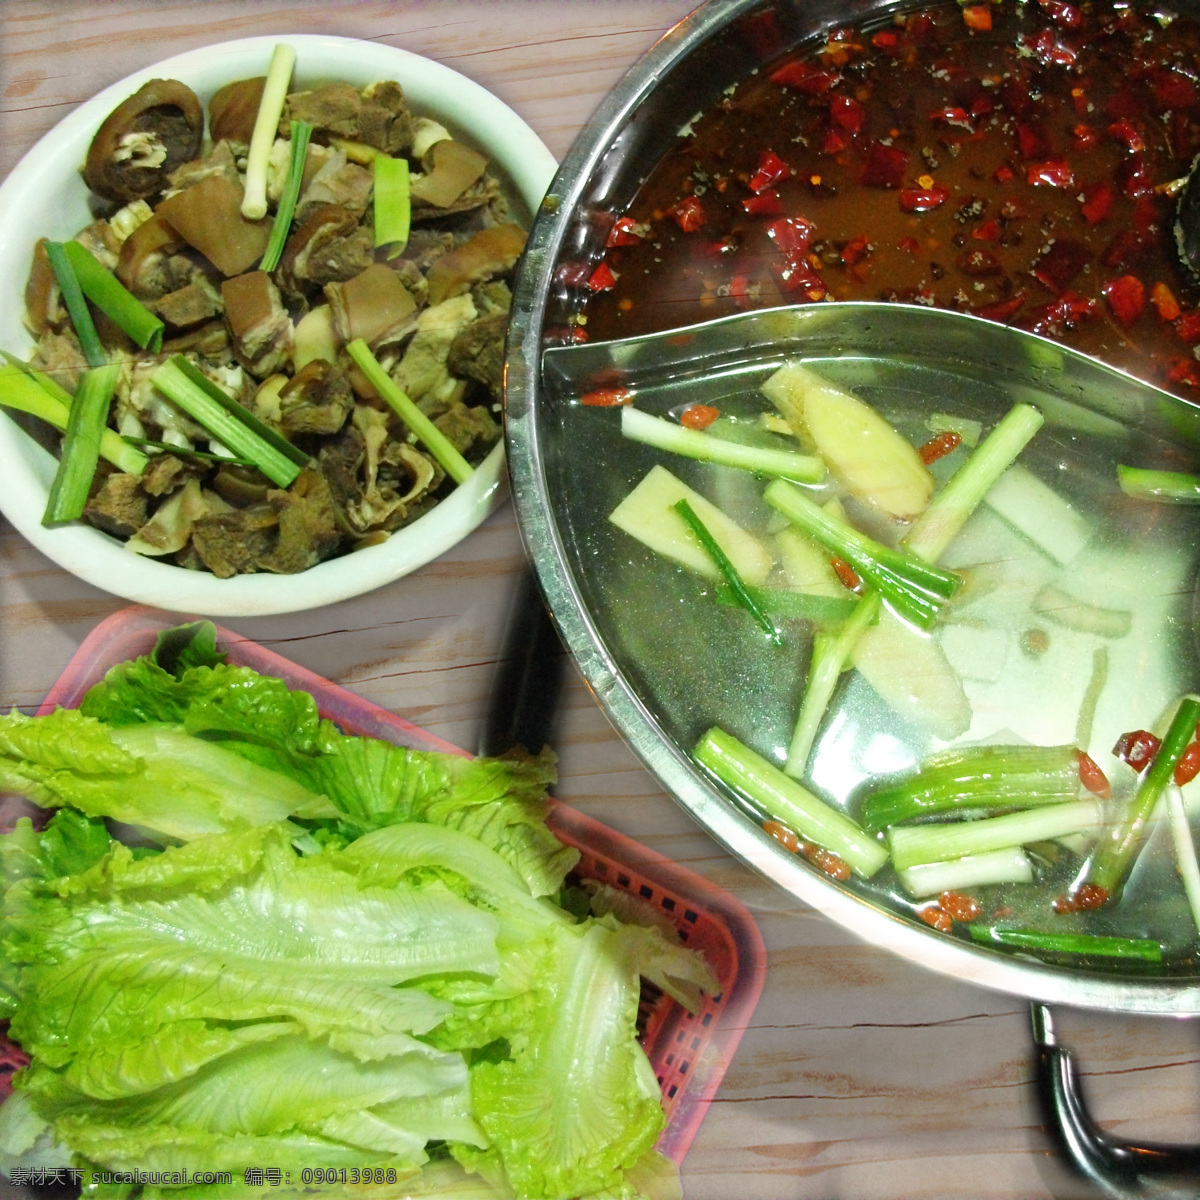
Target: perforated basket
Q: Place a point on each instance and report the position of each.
(689, 1051)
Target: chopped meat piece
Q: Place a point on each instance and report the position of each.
(165, 472)
(469, 427)
(339, 182)
(43, 306)
(385, 121)
(143, 140)
(374, 306)
(119, 507)
(208, 216)
(422, 371)
(478, 352)
(331, 109)
(317, 399)
(234, 542)
(233, 110)
(190, 305)
(258, 323)
(211, 341)
(342, 258)
(60, 356)
(323, 245)
(308, 532)
(489, 253)
(221, 160)
(451, 168)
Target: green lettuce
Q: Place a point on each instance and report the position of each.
(321, 950)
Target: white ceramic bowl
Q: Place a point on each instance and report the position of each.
(45, 197)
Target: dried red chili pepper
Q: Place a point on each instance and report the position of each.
(1098, 200)
(1052, 173)
(771, 169)
(1066, 16)
(1127, 133)
(988, 231)
(1126, 297)
(885, 167)
(977, 17)
(625, 232)
(764, 204)
(846, 114)
(1064, 259)
(689, 214)
(601, 279)
(805, 77)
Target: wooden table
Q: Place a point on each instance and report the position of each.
(860, 1075)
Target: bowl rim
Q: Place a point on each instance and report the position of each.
(103, 561)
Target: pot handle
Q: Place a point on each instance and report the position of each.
(1117, 1169)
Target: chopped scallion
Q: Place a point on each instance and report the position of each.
(228, 422)
(32, 392)
(727, 569)
(825, 612)
(653, 431)
(301, 132)
(81, 444)
(1069, 943)
(916, 588)
(393, 203)
(1120, 847)
(76, 305)
(109, 295)
(1168, 487)
(786, 800)
(438, 444)
(266, 125)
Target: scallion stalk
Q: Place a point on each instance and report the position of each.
(438, 444)
(1068, 943)
(228, 422)
(744, 771)
(728, 571)
(1185, 850)
(81, 444)
(32, 392)
(653, 431)
(974, 778)
(109, 295)
(301, 133)
(76, 305)
(393, 203)
(915, 844)
(831, 653)
(826, 612)
(1168, 487)
(917, 589)
(1120, 847)
(1008, 865)
(948, 510)
(266, 125)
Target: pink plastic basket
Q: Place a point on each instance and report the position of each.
(690, 1052)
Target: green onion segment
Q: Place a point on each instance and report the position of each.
(438, 444)
(81, 444)
(110, 295)
(301, 132)
(393, 202)
(1119, 847)
(786, 800)
(1069, 943)
(732, 579)
(1167, 487)
(266, 125)
(76, 305)
(228, 421)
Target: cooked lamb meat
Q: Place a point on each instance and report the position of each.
(331, 109)
(468, 427)
(187, 306)
(317, 399)
(258, 323)
(120, 506)
(385, 121)
(478, 352)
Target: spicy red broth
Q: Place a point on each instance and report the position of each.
(1015, 161)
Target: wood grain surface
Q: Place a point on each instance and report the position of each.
(860, 1075)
